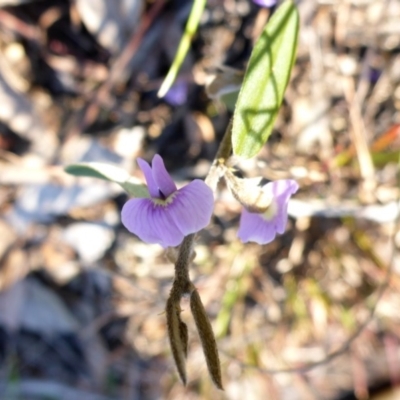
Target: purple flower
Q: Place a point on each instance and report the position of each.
(263, 227)
(178, 93)
(265, 3)
(170, 214)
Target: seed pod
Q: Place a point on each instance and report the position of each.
(207, 338)
(178, 336)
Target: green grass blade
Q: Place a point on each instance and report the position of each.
(190, 30)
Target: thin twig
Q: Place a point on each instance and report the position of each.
(177, 329)
(358, 132)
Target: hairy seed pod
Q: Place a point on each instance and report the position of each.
(178, 336)
(207, 338)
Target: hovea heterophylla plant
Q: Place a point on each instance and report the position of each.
(161, 213)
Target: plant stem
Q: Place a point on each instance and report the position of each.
(223, 154)
(182, 281)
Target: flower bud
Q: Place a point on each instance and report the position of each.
(253, 198)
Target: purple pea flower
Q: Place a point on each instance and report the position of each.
(177, 95)
(169, 214)
(265, 3)
(263, 227)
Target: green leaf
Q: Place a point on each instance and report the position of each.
(109, 172)
(265, 81)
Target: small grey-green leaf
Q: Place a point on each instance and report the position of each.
(134, 189)
(265, 81)
(110, 173)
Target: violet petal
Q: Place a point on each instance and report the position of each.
(192, 207)
(178, 93)
(170, 234)
(162, 178)
(281, 190)
(148, 174)
(134, 216)
(281, 187)
(265, 3)
(254, 228)
(150, 222)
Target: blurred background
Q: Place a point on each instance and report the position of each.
(312, 315)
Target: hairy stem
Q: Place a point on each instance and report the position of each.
(182, 281)
(222, 156)
(186, 249)
(177, 329)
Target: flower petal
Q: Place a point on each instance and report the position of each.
(192, 207)
(178, 93)
(265, 3)
(281, 187)
(148, 174)
(150, 222)
(281, 191)
(134, 216)
(162, 177)
(170, 234)
(254, 228)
